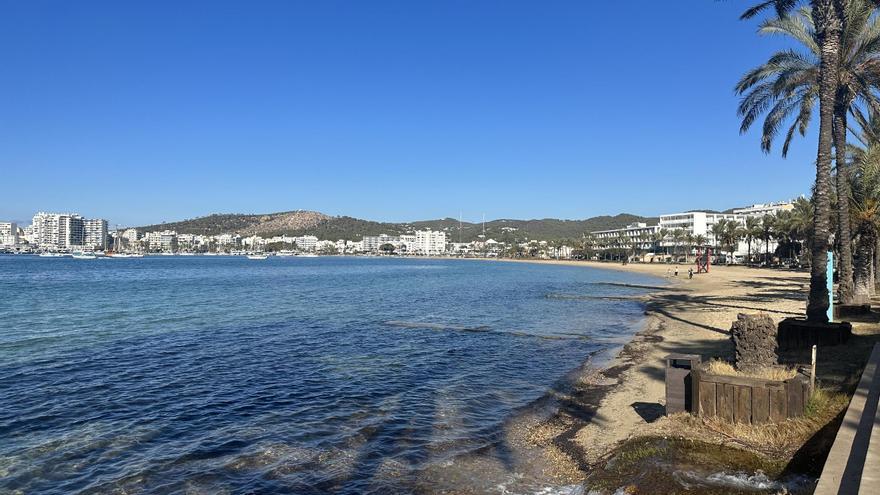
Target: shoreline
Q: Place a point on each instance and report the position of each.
(610, 401)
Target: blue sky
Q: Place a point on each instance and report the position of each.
(156, 111)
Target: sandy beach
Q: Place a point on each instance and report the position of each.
(606, 406)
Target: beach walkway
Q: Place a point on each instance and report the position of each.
(853, 465)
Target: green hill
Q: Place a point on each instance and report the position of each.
(302, 222)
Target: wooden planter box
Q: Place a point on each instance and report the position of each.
(749, 400)
(844, 310)
(799, 334)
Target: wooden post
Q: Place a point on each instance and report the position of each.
(813, 369)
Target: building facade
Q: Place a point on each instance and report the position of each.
(430, 242)
(8, 234)
(57, 231)
(639, 234)
(94, 234)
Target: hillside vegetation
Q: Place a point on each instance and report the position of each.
(302, 222)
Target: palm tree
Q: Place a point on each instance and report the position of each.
(866, 216)
(828, 19)
(659, 237)
(792, 80)
(731, 233)
(718, 232)
(689, 245)
(752, 232)
(802, 222)
(678, 236)
(768, 227)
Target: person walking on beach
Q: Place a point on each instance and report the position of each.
(690, 273)
(676, 270)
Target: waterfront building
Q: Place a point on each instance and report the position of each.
(639, 234)
(698, 223)
(165, 241)
(227, 239)
(8, 234)
(57, 231)
(130, 235)
(372, 243)
(94, 234)
(759, 210)
(306, 242)
(430, 242)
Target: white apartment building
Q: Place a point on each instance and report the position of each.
(95, 234)
(227, 239)
(429, 242)
(57, 231)
(700, 223)
(165, 241)
(130, 235)
(372, 243)
(306, 242)
(8, 234)
(639, 234)
(408, 242)
(759, 210)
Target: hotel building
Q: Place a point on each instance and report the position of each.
(638, 233)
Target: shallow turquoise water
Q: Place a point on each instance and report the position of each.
(289, 375)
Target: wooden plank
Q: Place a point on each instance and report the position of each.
(742, 411)
(725, 401)
(778, 404)
(707, 399)
(738, 380)
(760, 405)
(795, 391)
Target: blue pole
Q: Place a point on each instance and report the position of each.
(830, 282)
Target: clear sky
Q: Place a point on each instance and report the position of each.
(143, 112)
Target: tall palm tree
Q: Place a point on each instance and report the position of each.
(866, 220)
(767, 229)
(659, 238)
(752, 232)
(792, 81)
(802, 223)
(718, 232)
(828, 20)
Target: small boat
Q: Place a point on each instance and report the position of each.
(84, 256)
(256, 255)
(52, 255)
(308, 255)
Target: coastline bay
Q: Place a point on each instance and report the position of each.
(319, 375)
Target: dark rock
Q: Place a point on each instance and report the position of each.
(754, 341)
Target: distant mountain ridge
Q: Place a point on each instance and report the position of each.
(304, 222)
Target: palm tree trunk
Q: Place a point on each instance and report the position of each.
(876, 264)
(827, 15)
(844, 240)
(862, 267)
